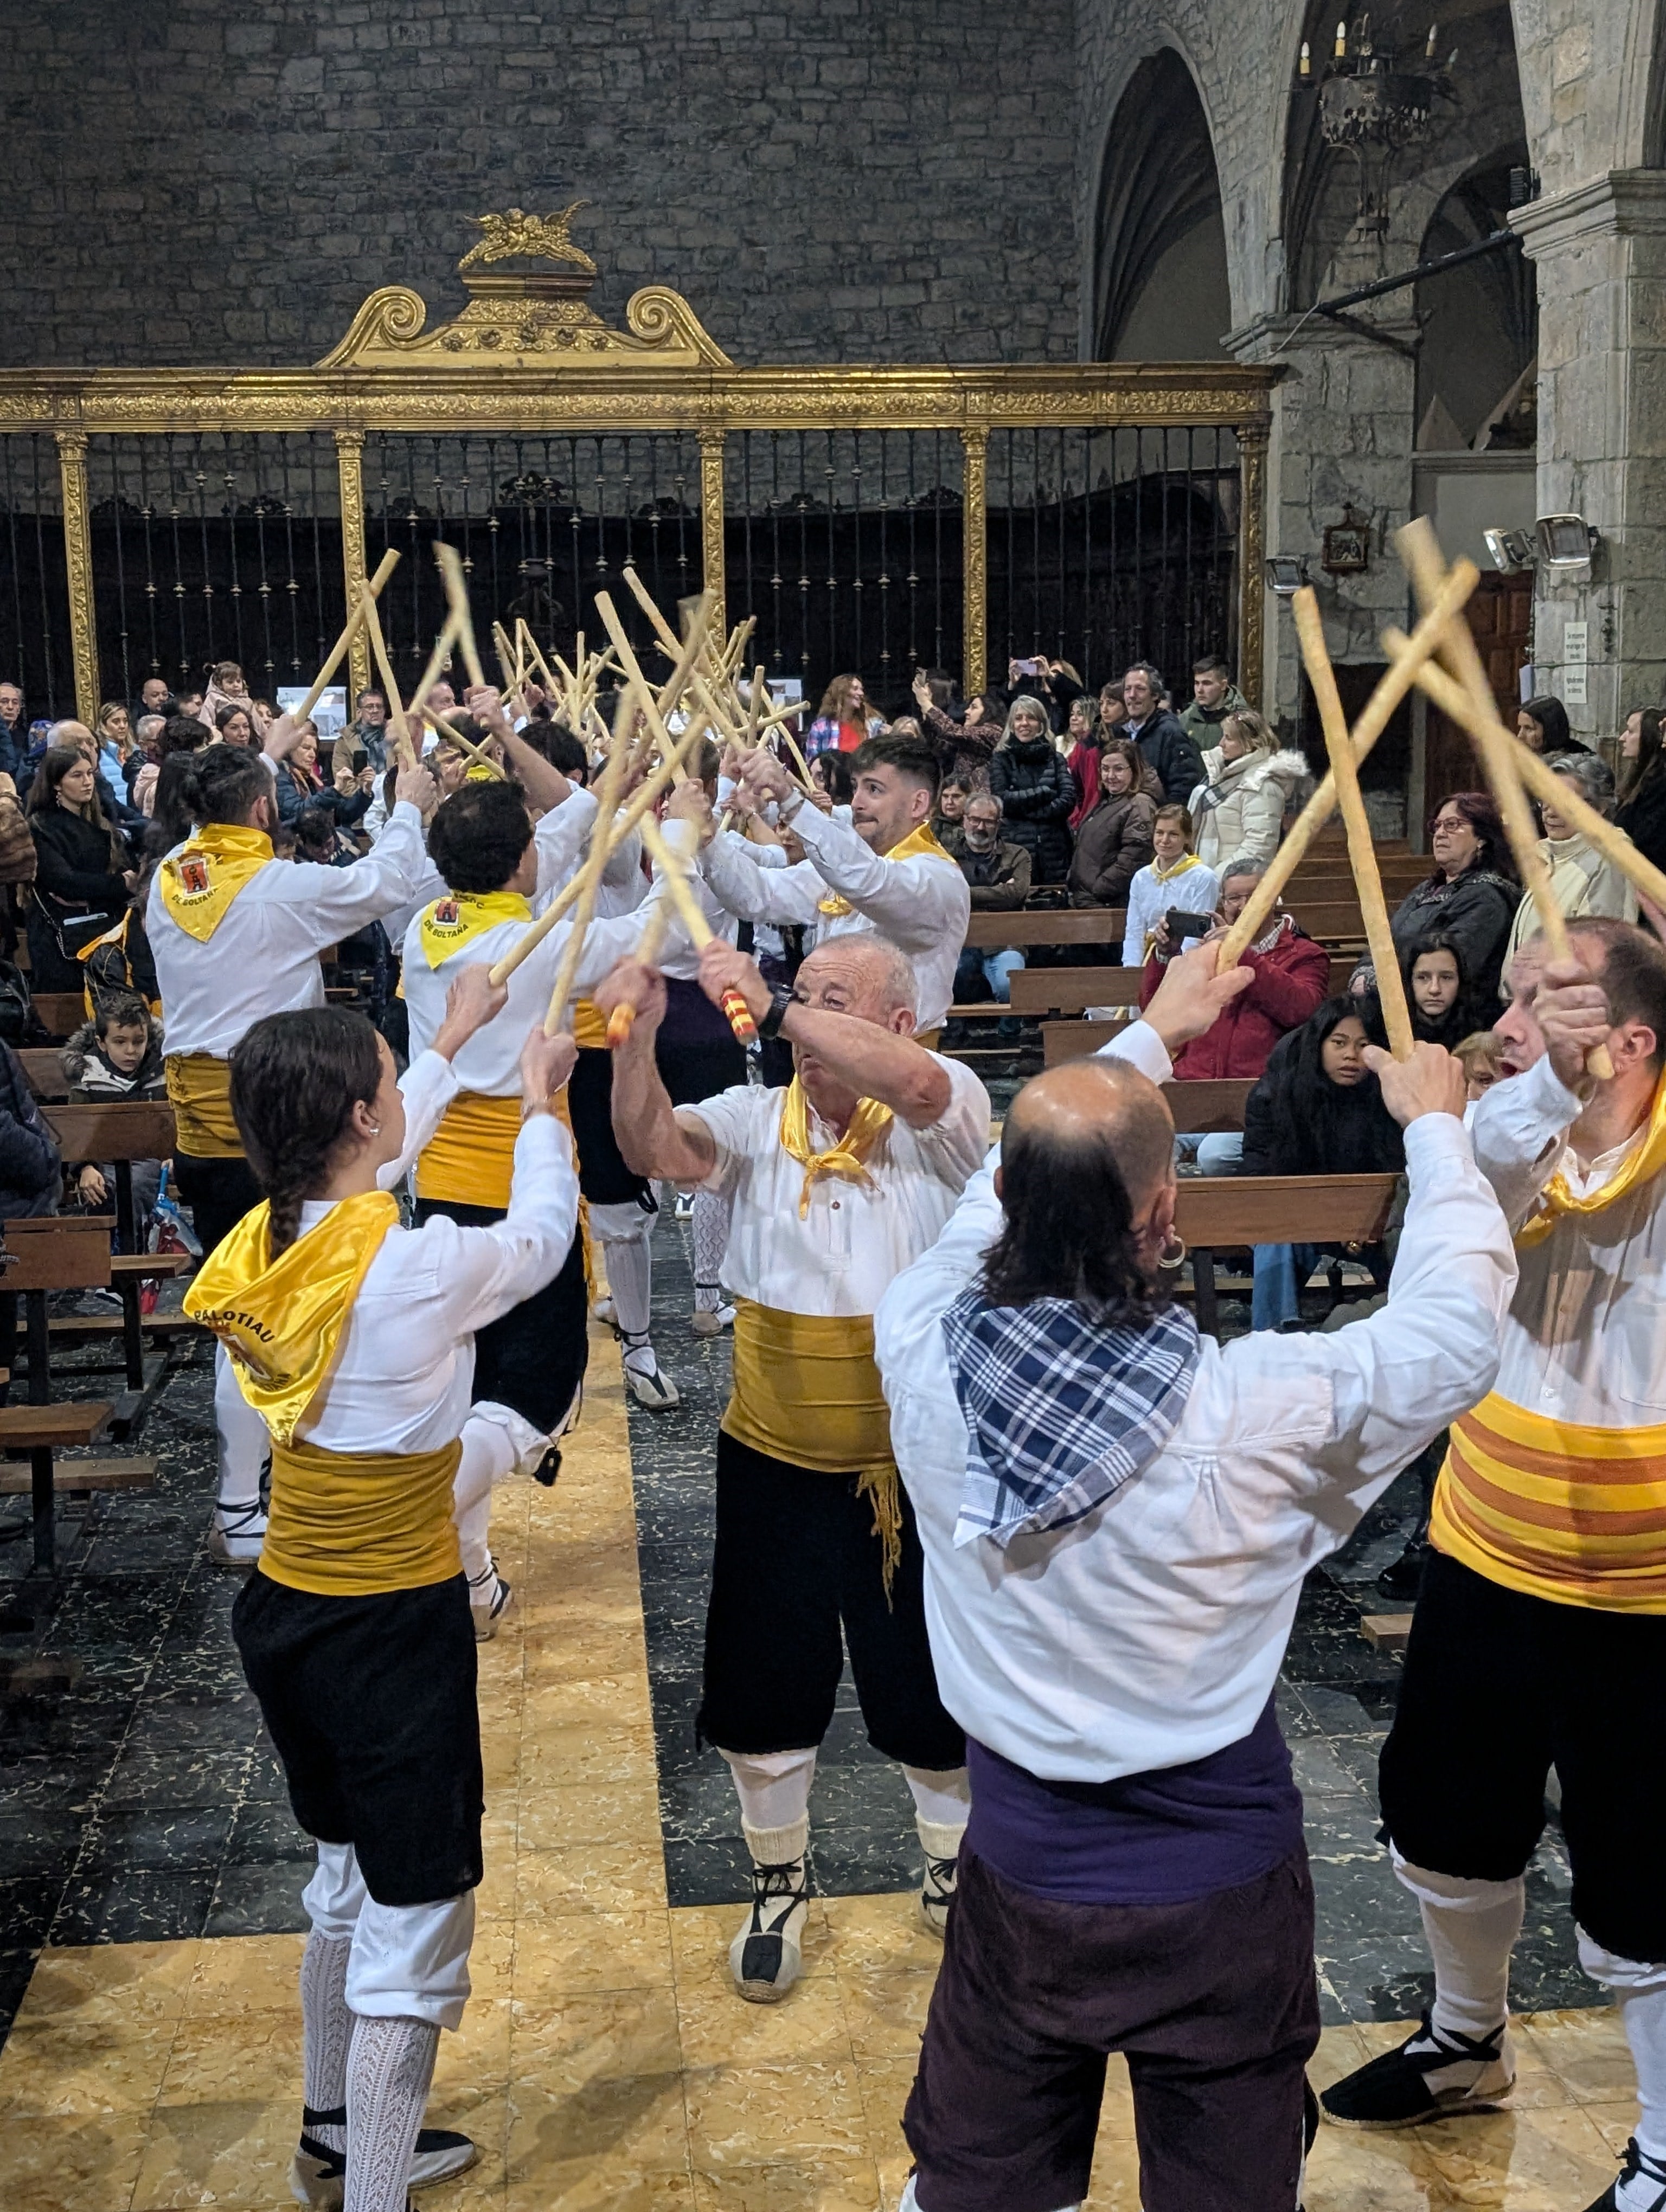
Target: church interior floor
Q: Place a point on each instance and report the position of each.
(150, 1878)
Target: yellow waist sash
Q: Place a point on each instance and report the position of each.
(470, 1158)
(589, 1026)
(199, 1092)
(344, 1525)
(1572, 1514)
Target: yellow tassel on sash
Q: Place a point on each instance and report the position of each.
(351, 1525)
(470, 1158)
(806, 1391)
(920, 840)
(1573, 1514)
(280, 1319)
(199, 882)
(1647, 1161)
(199, 1092)
(847, 1157)
(457, 919)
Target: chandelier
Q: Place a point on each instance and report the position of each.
(1376, 100)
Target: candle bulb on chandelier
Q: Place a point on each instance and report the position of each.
(1429, 50)
(1341, 41)
(1307, 66)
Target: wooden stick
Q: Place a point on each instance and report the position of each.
(523, 632)
(681, 837)
(436, 661)
(457, 598)
(589, 882)
(1362, 854)
(644, 599)
(338, 651)
(1417, 547)
(694, 921)
(1391, 689)
(407, 755)
(453, 735)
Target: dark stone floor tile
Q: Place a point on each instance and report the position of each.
(38, 1839)
(267, 1834)
(174, 1778)
(161, 1837)
(135, 1906)
(263, 1779)
(714, 1870)
(28, 1903)
(258, 1900)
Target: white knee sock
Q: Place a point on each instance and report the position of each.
(710, 1222)
(623, 1232)
(1639, 1991)
(774, 1790)
(1471, 1927)
(244, 1446)
(488, 1457)
(326, 2031)
(942, 1806)
(388, 2071)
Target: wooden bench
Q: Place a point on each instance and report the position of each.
(1223, 1212)
(1027, 926)
(119, 1134)
(1073, 990)
(43, 1068)
(60, 1014)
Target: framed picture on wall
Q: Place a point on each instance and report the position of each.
(1346, 548)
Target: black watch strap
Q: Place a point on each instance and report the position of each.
(781, 998)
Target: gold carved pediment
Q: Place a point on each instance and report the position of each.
(523, 313)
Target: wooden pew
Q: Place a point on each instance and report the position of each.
(43, 1068)
(61, 1013)
(1221, 1213)
(1208, 1110)
(1020, 926)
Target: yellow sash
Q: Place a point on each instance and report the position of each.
(351, 1525)
(461, 916)
(199, 1092)
(806, 1391)
(589, 1026)
(1573, 1514)
(200, 881)
(923, 839)
(470, 1158)
(281, 1320)
(847, 1157)
(1647, 1160)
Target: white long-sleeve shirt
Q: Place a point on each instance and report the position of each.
(921, 905)
(1150, 1633)
(1193, 890)
(263, 958)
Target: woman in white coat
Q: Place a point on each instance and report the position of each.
(1238, 813)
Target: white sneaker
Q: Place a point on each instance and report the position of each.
(712, 1321)
(767, 1956)
(649, 1386)
(489, 1598)
(235, 1536)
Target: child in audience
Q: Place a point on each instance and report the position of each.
(1175, 878)
(116, 1059)
(1438, 992)
(1481, 1056)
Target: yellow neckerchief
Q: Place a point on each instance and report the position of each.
(457, 919)
(1162, 875)
(1649, 1159)
(922, 841)
(847, 1157)
(281, 1320)
(200, 881)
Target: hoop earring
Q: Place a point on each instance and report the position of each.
(1178, 1250)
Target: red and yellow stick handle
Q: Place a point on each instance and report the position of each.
(673, 866)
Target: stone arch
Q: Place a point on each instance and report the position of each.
(1477, 324)
(1160, 284)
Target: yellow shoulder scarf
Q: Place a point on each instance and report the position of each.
(458, 918)
(1647, 1161)
(281, 1320)
(200, 881)
(919, 842)
(1167, 875)
(847, 1157)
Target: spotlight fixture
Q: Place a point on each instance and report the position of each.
(1509, 551)
(1287, 573)
(1566, 543)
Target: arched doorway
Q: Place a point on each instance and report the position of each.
(1160, 284)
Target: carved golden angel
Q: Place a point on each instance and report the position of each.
(517, 232)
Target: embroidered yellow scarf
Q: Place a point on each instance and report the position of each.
(1647, 1161)
(847, 1157)
(281, 1320)
(200, 881)
(918, 841)
(461, 916)
(1167, 875)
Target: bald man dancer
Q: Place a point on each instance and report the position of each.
(1117, 1518)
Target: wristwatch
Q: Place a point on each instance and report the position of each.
(781, 998)
(787, 810)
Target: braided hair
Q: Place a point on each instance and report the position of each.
(295, 1079)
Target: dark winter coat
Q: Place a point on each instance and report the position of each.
(1112, 846)
(1164, 742)
(1475, 911)
(1036, 792)
(30, 1168)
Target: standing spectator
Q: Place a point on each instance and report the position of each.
(997, 873)
(227, 686)
(17, 867)
(1028, 775)
(1318, 1109)
(1158, 732)
(13, 730)
(1214, 696)
(1542, 727)
(843, 722)
(1113, 712)
(1470, 893)
(833, 776)
(1583, 881)
(1054, 683)
(31, 1179)
(1250, 781)
(367, 731)
(41, 736)
(1641, 812)
(966, 745)
(1087, 737)
(115, 737)
(155, 698)
(84, 872)
(1176, 878)
(234, 726)
(1114, 842)
(179, 735)
(299, 783)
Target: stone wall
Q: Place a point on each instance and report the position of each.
(194, 180)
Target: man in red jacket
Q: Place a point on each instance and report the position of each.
(1292, 979)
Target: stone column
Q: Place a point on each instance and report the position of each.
(1600, 251)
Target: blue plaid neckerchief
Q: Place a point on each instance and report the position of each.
(1060, 1412)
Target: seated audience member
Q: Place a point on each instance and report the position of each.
(966, 745)
(116, 1059)
(997, 874)
(1159, 734)
(1443, 1006)
(1542, 727)
(1036, 792)
(1317, 1110)
(1481, 1058)
(1641, 811)
(1214, 696)
(949, 814)
(1114, 842)
(1176, 878)
(1470, 893)
(1583, 881)
(1250, 781)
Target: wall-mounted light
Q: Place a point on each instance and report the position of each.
(1566, 543)
(1287, 573)
(1510, 551)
